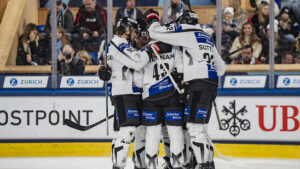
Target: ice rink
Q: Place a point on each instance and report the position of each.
(105, 163)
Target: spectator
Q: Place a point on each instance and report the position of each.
(175, 10)
(280, 45)
(226, 43)
(228, 19)
(85, 57)
(247, 37)
(294, 6)
(247, 57)
(240, 15)
(287, 58)
(90, 24)
(64, 20)
(62, 40)
(256, 3)
(129, 10)
(230, 23)
(261, 19)
(297, 45)
(69, 63)
(32, 49)
(297, 60)
(287, 28)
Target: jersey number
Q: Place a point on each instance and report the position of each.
(155, 71)
(209, 58)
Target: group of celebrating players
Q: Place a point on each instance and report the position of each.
(147, 105)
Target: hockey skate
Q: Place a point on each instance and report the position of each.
(211, 165)
(114, 167)
(167, 164)
(138, 168)
(205, 166)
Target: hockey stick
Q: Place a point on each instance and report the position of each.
(84, 128)
(167, 71)
(226, 158)
(217, 114)
(106, 93)
(106, 82)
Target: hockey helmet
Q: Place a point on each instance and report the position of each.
(188, 17)
(142, 27)
(124, 23)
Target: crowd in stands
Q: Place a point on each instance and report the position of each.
(245, 38)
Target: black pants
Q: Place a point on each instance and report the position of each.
(165, 110)
(200, 95)
(127, 110)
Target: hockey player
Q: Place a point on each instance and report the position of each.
(123, 60)
(202, 67)
(161, 105)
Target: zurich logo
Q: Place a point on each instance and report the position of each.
(233, 81)
(70, 82)
(286, 81)
(13, 82)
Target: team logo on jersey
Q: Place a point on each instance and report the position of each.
(234, 122)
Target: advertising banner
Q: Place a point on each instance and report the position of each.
(257, 118)
(42, 117)
(288, 82)
(245, 81)
(243, 118)
(81, 82)
(25, 82)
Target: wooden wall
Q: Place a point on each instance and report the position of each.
(94, 68)
(3, 4)
(18, 13)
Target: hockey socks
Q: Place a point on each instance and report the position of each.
(121, 146)
(139, 148)
(199, 143)
(176, 145)
(152, 145)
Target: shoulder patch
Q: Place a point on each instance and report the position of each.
(123, 46)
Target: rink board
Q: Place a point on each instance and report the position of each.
(265, 125)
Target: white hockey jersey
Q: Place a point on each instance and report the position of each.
(200, 57)
(124, 60)
(155, 79)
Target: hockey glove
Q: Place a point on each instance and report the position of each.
(151, 16)
(178, 78)
(182, 96)
(104, 73)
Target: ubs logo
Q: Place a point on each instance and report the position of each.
(233, 81)
(286, 81)
(70, 82)
(234, 122)
(13, 82)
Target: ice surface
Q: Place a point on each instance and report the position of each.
(105, 163)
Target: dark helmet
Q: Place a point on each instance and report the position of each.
(124, 23)
(142, 27)
(188, 17)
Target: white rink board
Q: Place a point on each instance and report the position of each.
(95, 106)
(24, 124)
